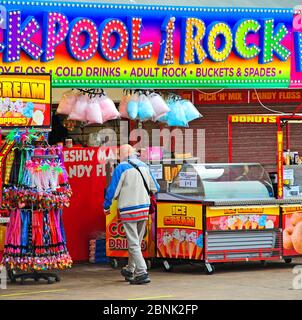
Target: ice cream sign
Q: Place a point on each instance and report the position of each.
(133, 45)
(25, 100)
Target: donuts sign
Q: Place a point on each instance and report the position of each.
(25, 100)
(120, 45)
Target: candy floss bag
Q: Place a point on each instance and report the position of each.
(108, 109)
(123, 105)
(190, 110)
(177, 116)
(93, 112)
(132, 106)
(67, 102)
(159, 106)
(145, 110)
(79, 109)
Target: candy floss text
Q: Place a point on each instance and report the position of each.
(113, 38)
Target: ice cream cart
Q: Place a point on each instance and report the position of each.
(218, 213)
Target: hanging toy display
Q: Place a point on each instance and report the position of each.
(35, 192)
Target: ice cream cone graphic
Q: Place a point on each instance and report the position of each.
(192, 246)
(176, 242)
(184, 247)
(199, 247)
(161, 250)
(254, 225)
(184, 243)
(192, 243)
(239, 224)
(169, 247)
(176, 245)
(198, 253)
(248, 225)
(167, 239)
(232, 223)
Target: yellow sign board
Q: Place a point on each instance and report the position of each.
(25, 100)
(179, 215)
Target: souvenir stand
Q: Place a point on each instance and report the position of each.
(34, 185)
(4, 219)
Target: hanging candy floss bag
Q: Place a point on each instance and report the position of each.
(93, 112)
(190, 110)
(132, 107)
(108, 109)
(79, 109)
(159, 106)
(145, 110)
(69, 99)
(123, 105)
(177, 116)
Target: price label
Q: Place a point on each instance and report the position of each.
(188, 179)
(288, 174)
(157, 171)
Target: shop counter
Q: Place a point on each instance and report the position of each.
(224, 212)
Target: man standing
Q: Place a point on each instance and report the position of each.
(128, 185)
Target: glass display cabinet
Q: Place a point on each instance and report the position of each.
(224, 181)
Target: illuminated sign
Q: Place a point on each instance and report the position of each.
(118, 45)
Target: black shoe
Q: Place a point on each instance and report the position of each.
(127, 274)
(144, 278)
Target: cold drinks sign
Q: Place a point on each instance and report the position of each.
(120, 45)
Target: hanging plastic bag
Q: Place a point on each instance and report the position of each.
(123, 105)
(164, 118)
(145, 110)
(108, 109)
(177, 116)
(79, 109)
(190, 110)
(93, 112)
(132, 107)
(159, 106)
(67, 102)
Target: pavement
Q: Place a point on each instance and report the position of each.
(236, 281)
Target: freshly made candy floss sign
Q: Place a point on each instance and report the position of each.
(121, 45)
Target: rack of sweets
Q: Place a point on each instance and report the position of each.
(97, 251)
(35, 191)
